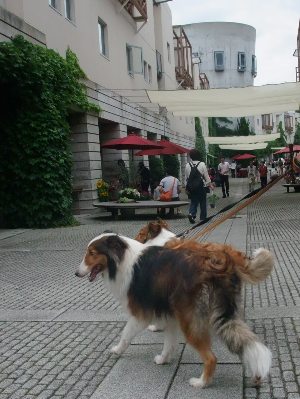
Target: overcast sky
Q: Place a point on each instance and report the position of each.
(276, 23)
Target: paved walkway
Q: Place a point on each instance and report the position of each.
(56, 329)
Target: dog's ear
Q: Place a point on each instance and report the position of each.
(116, 245)
(154, 229)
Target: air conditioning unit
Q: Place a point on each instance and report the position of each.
(241, 68)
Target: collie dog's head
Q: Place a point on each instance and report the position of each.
(151, 230)
(103, 253)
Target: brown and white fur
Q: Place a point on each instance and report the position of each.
(195, 290)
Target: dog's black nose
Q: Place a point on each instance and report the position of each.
(76, 274)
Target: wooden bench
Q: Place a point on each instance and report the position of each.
(288, 186)
(128, 208)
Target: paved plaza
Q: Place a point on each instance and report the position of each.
(56, 330)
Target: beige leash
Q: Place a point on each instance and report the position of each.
(228, 215)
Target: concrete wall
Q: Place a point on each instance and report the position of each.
(12, 25)
(208, 37)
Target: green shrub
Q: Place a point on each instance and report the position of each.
(156, 168)
(171, 163)
(39, 87)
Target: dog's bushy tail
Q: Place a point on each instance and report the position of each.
(239, 339)
(257, 269)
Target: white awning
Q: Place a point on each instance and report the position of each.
(258, 138)
(243, 147)
(233, 102)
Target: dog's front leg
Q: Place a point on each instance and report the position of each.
(170, 341)
(132, 328)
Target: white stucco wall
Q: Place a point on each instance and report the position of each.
(208, 37)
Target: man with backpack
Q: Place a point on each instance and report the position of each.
(197, 185)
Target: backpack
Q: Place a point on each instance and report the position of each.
(195, 183)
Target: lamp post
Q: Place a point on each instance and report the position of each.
(290, 135)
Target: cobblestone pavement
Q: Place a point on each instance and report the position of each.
(56, 330)
(273, 307)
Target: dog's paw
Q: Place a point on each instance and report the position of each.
(117, 349)
(159, 359)
(197, 382)
(153, 327)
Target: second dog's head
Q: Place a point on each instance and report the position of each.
(151, 231)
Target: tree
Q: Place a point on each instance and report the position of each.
(297, 134)
(200, 142)
(243, 127)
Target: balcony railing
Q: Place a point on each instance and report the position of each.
(204, 82)
(267, 127)
(184, 78)
(136, 8)
(183, 58)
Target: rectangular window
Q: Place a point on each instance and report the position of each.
(266, 121)
(241, 62)
(219, 60)
(158, 65)
(102, 32)
(135, 63)
(254, 66)
(149, 74)
(52, 3)
(145, 71)
(69, 10)
(169, 52)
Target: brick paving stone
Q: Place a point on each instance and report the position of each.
(279, 393)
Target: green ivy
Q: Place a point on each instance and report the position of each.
(39, 88)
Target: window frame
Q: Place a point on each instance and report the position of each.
(219, 67)
(53, 5)
(254, 65)
(102, 37)
(241, 66)
(169, 52)
(69, 10)
(131, 58)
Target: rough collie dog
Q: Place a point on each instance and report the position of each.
(195, 290)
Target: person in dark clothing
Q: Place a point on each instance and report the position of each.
(197, 198)
(263, 174)
(145, 176)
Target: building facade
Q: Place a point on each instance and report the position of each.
(124, 47)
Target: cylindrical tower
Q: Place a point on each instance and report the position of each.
(226, 51)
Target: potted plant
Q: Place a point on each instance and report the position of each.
(102, 189)
(128, 195)
(212, 199)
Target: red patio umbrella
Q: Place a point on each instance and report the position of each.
(286, 150)
(236, 156)
(169, 148)
(131, 142)
(244, 156)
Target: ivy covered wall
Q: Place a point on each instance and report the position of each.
(39, 88)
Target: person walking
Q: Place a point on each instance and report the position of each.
(223, 169)
(252, 174)
(197, 183)
(145, 177)
(263, 174)
(233, 168)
